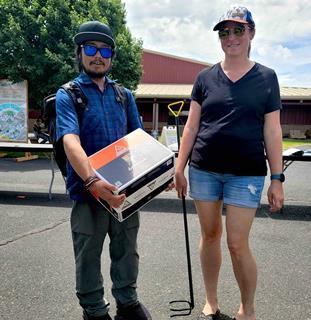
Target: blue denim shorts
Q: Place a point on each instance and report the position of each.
(240, 191)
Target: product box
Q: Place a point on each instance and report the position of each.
(139, 166)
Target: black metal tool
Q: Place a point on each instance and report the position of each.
(183, 310)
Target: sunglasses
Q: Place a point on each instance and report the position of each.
(91, 50)
(237, 31)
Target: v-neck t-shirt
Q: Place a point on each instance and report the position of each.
(230, 137)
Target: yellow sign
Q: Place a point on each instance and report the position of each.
(176, 114)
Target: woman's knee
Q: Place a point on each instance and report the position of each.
(237, 246)
(211, 236)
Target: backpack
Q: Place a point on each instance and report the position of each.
(45, 126)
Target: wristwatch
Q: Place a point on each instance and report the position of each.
(278, 176)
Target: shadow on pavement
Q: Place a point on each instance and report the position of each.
(161, 205)
(34, 199)
(290, 212)
(11, 165)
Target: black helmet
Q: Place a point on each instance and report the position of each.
(94, 30)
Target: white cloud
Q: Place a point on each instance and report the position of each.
(274, 52)
(184, 28)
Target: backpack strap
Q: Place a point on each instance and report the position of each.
(78, 97)
(121, 95)
(80, 103)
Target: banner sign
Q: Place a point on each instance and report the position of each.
(13, 111)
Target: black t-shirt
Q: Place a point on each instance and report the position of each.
(230, 137)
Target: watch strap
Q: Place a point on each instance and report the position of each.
(278, 176)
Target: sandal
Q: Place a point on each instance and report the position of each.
(213, 316)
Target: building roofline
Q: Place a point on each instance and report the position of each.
(183, 91)
(177, 57)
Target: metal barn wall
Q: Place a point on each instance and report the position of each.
(296, 116)
(166, 69)
(296, 113)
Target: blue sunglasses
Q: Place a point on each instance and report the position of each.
(91, 50)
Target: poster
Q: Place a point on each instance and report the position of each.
(13, 111)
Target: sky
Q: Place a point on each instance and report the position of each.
(184, 28)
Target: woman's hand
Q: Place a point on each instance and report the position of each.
(181, 184)
(275, 195)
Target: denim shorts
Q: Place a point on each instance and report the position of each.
(240, 191)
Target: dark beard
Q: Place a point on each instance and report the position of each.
(94, 75)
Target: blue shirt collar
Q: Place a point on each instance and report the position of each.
(84, 79)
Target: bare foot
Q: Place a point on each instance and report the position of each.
(242, 316)
(208, 309)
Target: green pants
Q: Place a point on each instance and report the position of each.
(90, 223)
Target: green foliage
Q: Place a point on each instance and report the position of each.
(37, 46)
(128, 59)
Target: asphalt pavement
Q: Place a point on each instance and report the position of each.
(36, 256)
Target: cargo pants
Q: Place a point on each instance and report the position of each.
(90, 223)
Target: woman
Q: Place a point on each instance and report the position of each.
(234, 120)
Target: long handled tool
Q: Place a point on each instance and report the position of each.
(183, 311)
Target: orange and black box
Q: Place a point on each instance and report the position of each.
(139, 166)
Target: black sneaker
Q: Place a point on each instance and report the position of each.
(87, 317)
(136, 311)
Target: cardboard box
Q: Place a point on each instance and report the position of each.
(139, 166)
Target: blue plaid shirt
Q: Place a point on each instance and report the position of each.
(104, 121)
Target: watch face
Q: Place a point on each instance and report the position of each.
(282, 177)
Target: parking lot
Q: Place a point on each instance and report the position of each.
(37, 267)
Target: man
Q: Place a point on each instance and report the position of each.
(103, 121)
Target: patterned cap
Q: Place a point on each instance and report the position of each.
(237, 14)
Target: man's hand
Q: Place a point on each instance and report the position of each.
(104, 190)
(170, 186)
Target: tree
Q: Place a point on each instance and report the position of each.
(37, 46)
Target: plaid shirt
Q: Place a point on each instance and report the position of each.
(103, 122)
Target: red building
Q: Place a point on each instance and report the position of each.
(165, 69)
(166, 79)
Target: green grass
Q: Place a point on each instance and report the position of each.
(294, 143)
(11, 154)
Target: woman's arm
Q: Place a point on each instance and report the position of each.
(189, 135)
(273, 147)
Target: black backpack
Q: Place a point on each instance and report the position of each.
(45, 126)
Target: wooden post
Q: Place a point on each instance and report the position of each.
(28, 156)
(155, 119)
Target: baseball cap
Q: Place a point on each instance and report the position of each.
(94, 30)
(236, 13)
